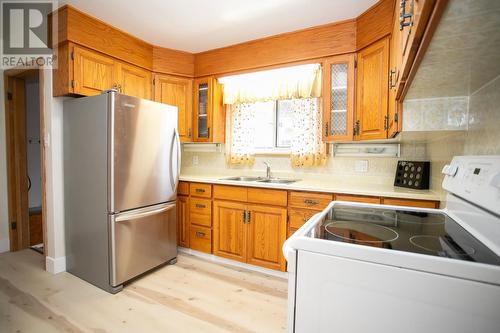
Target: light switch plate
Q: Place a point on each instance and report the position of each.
(361, 166)
(195, 160)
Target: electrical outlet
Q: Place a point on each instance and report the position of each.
(361, 166)
(195, 160)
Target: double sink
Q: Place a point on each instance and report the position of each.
(261, 180)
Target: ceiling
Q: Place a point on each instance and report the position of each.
(200, 25)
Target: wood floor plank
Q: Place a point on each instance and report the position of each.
(194, 295)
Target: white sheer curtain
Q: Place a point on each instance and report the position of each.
(240, 130)
(302, 85)
(307, 148)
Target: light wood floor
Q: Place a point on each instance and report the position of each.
(192, 296)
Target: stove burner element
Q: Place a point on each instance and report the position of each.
(361, 232)
(440, 245)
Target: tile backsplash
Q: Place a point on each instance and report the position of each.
(380, 169)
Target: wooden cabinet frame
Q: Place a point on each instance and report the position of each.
(348, 59)
(216, 118)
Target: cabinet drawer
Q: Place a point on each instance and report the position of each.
(200, 206)
(200, 239)
(309, 200)
(268, 197)
(290, 232)
(410, 203)
(234, 193)
(297, 217)
(200, 190)
(200, 212)
(183, 188)
(357, 198)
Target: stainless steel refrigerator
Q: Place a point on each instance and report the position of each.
(121, 170)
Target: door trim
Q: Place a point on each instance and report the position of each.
(19, 238)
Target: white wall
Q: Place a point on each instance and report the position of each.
(56, 261)
(4, 217)
(32, 141)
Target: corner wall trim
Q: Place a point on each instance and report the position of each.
(55, 265)
(4, 245)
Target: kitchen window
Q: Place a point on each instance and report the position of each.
(274, 126)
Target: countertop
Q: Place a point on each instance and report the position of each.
(323, 185)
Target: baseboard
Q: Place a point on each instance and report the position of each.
(229, 262)
(55, 265)
(4, 245)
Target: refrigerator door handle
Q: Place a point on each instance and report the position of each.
(143, 212)
(174, 182)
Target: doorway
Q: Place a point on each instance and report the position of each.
(24, 121)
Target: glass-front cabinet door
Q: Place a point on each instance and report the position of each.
(202, 89)
(338, 98)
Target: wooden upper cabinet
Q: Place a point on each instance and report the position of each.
(338, 101)
(266, 234)
(372, 91)
(177, 91)
(230, 230)
(133, 80)
(92, 72)
(393, 107)
(208, 112)
(87, 72)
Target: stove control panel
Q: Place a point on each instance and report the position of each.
(475, 179)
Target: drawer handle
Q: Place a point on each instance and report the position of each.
(200, 234)
(200, 206)
(200, 190)
(310, 202)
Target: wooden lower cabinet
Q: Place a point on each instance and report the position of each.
(410, 203)
(230, 230)
(200, 238)
(183, 221)
(250, 233)
(266, 232)
(297, 217)
(357, 198)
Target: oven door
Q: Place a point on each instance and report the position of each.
(141, 239)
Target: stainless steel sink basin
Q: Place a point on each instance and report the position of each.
(243, 178)
(278, 181)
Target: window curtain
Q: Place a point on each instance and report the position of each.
(295, 82)
(302, 85)
(240, 129)
(307, 147)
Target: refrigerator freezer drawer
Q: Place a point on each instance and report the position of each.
(141, 240)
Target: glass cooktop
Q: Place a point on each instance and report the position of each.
(417, 232)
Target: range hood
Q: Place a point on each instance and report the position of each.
(463, 56)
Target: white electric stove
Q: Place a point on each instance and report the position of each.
(361, 267)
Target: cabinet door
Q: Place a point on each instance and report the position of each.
(372, 91)
(338, 92)
(266, 234)
(202, 115)
(134, 81)
(209, 120)
(230, 230)
(92, 72)
(183, 221)
(178, 92)
(394, 77)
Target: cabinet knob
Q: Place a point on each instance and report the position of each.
(200, 190)
(200, 234)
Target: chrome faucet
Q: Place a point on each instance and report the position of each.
(268, 170)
